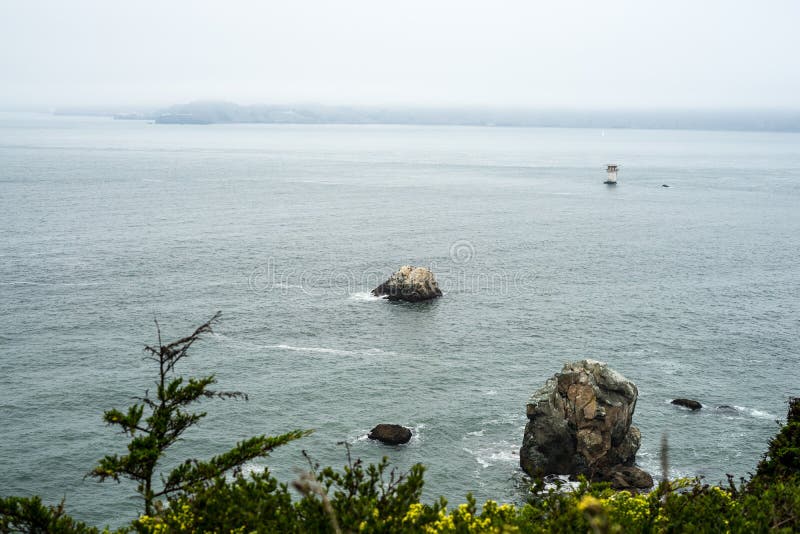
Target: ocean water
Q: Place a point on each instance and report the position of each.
(690, 291)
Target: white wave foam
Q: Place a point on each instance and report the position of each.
(504, 456)
(490, 392)
(510, 418)
(416, 433)
(326, 350)
(222, 338)
(364, 295)
(319, 350)
(477, 432)
(502, 452)
(561, 483)
(378, 351)
(758, 414)
(477, 457)
(742, 410)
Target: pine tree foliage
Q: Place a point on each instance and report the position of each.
(28, 514)
(156, 423)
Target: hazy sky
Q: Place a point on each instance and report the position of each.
(534, 54)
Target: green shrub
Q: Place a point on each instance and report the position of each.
(782, 459)
(257, 503)
(28, 514)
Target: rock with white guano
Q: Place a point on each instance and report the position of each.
(412, 284)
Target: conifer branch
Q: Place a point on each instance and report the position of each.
(156, 424)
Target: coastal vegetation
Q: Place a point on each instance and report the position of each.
(216, 496)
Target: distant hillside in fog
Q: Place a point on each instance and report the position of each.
(211, 112)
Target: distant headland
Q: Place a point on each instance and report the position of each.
(218, 112)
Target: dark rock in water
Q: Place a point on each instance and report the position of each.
(727, 409)
(688, 403)
(390, 434)
(626, 478)
(664, 185)
(412, 284)
(580, 423)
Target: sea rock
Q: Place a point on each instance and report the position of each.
(390, 434)
(580, 423)
(412, 284)
(626, 478)
(688, 403)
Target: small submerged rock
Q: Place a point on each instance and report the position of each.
(390, 434)
(412, 284)
(687, 403)
(623, 477)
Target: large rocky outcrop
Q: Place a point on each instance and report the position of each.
(412, 284)
(580, 423)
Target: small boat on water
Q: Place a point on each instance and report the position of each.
(611, 171)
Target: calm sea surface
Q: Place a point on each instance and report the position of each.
(690, 291)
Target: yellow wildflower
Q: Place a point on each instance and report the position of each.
(413, 513)
(590, 504)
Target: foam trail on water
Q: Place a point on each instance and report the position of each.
(758, 414)
(416, 433)
(500, 452)
(222, 338)
(364, 295)
(326, 350)
(320, 350)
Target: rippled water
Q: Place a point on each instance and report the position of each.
(690, 291)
